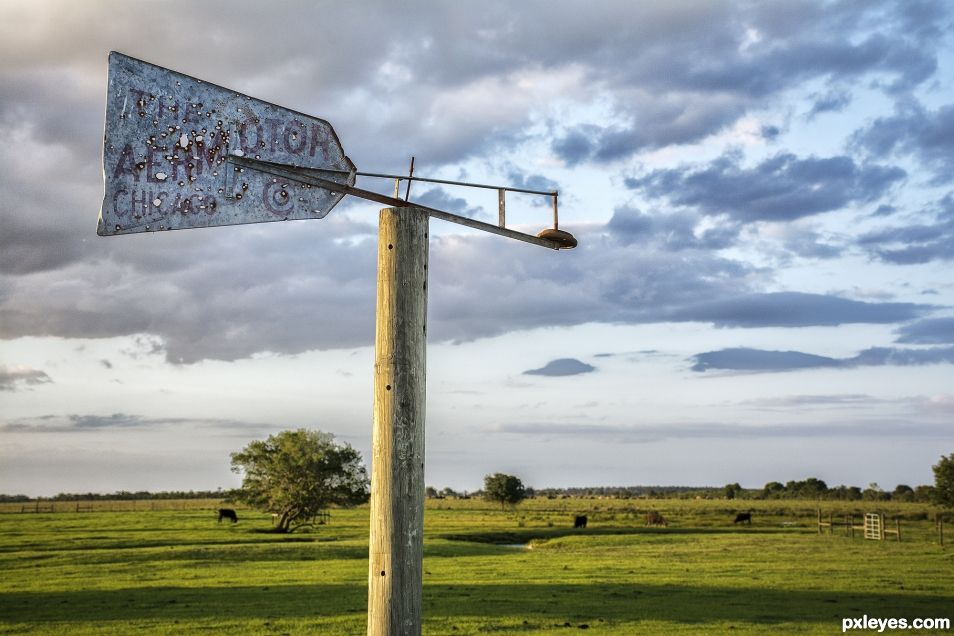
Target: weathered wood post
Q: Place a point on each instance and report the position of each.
(395, 574)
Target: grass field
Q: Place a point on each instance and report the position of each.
(174, 570)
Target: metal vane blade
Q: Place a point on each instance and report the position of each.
(164, 154)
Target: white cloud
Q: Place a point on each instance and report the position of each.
(21, 378)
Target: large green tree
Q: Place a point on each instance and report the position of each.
(297, 474)
(773, 490)
(506, 489)
(732, 491)
(902, 492)
(944, 482)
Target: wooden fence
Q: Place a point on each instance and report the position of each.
(108, 505)
(873, 525)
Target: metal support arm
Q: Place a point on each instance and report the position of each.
(307, 175)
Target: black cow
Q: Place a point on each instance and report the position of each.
(579, 521)
(743, 517)
(227, 513)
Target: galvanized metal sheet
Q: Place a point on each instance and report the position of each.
(167, 146)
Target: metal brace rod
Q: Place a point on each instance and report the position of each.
(546, 193)
(404, 177)
(410, 177)
(501, 190)
(302, 175)
(501, 207)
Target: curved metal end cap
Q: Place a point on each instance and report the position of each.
(564, 240)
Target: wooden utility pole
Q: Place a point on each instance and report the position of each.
(395, 574)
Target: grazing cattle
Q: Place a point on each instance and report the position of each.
(579, 521)
(654, 518)
(743, 517)
(227, 513)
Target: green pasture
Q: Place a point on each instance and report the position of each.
(172, 569)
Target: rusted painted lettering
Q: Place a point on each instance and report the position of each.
(117, 209)
(167, 105)
(174, 162)
(277, 198)
(126, 164)
(214, 150)
(153, 167)
(248, 147)
(273, 126)
(179, 133)
(139, 204)
(318, 142)
(294, 137)
(193, 112)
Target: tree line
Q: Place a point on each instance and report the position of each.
(296, 475)
(810, 488)
(814, 488)
(508, 489)
(122, 495)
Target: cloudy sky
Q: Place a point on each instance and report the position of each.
(763, 195)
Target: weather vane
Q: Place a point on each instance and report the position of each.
(182, 153)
